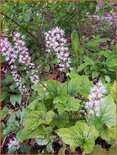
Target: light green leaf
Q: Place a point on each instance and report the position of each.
(107, 114)
(60, 120)
(108, 133)
(81, 67)
(98, 150)
(36, 105)
(95, 74)
(107, 78)
(35, 118)
(108, 111)
(79, 135)
(66, 103)
(42, 133)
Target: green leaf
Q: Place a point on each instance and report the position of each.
(25, 148)
(75, 42)
(107, 78)
(54, 87)
(108, 133)
(62, 149)
(79, 135)
(41, 90)
(113, 90)
(26, 17)
(108, 111)
(80, 84)
(15, 99)
(74, 86)
(98, 150)
(66, 103)
(12, 149)
(10, 127)
(101, 12)
(95, 42)
(42, 141)
(88, 60)
(60, 120)
(112, 150)
(95, 74)
(36, 105)
(42, 133)
(107, 114)
(35, 118)
(49, 147)
(4, 112)
(81, 67)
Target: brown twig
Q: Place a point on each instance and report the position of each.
(20, 26)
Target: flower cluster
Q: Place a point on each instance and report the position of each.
(19, 52)
(55, 40)
(12, 142)
(8, 51)
(95, 98)
(24, 57)
(11, 56)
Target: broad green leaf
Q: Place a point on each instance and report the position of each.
(36, 105)
(98, 150)
(60, 120)
(108, 133)
(35, 118)
(54, 88)
(108, 111)
(66, 103)
(80, 84)
(107, 114)
(112, 150)
(42, 91)
(15, 99)
(42, 133)
(79, 135)
(74, 86)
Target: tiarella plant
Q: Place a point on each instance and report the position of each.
(58, 78)
(59, 112)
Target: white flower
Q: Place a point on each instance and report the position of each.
(13, 142)
(96, 95)
(55, 40)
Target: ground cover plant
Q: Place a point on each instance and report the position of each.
(58, 78)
